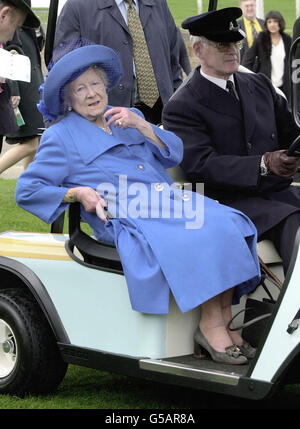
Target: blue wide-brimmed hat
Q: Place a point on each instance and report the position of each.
(218, 25)
(69, 67)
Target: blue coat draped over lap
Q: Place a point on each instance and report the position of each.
(160, 251)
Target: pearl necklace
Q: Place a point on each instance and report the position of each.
(106, 129)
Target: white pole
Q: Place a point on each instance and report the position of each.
(297, 8)
(199, 6)
(260, 9)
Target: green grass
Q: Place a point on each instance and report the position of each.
(11, 216)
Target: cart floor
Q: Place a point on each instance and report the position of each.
(208, 364)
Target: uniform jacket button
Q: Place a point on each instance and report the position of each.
(140, 167)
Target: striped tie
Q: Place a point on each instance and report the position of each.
(253, 30)
(147, 88)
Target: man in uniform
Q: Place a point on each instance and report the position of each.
(236, 129)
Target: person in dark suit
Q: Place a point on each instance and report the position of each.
(105, 22)
(236, 134)
(250, 24)
(269, 53)
(13, 13)
(184, 59)
(25, 96)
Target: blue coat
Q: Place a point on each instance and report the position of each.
(159, 254)
(101, 22)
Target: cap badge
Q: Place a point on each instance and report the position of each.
(233, 27)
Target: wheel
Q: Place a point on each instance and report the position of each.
(30, 362)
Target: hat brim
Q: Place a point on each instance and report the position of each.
(31, 21)
(74, 61)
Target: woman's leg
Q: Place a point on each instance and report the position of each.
(212, 324)
(18, 152)
(29, 158)
(226, 301)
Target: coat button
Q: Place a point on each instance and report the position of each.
(159, 187)
(249, 145)
(273, 136)
(140, 167)
(121, 86)
(185, 197)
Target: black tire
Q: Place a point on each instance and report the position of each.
(28, 345)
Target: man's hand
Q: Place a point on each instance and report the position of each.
(280, 164)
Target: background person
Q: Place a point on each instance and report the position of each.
(25, 141)
(269, 53)
(235, 130)
(81, 158)
(184, 59)
(106, 23)
(13, 14)
(250, 24)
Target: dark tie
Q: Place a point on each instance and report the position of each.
(146, 82)
(231, 89)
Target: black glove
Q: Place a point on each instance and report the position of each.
(280, 164)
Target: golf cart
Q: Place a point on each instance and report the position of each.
(64, 299)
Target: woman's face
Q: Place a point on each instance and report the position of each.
(87, 95)
(273, 25)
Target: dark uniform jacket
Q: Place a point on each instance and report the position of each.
(101, 21)
(224, 140)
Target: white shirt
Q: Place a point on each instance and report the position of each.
(217, 81)
(277, 63)
(123, 6)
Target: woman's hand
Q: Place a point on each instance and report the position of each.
(15, 100)
(89, 198)
(124, 118)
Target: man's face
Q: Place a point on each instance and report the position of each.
(218, 59)
(248, 8)
(10, 19)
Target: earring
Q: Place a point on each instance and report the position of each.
(69, 109)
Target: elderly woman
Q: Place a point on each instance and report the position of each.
(113, 162)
